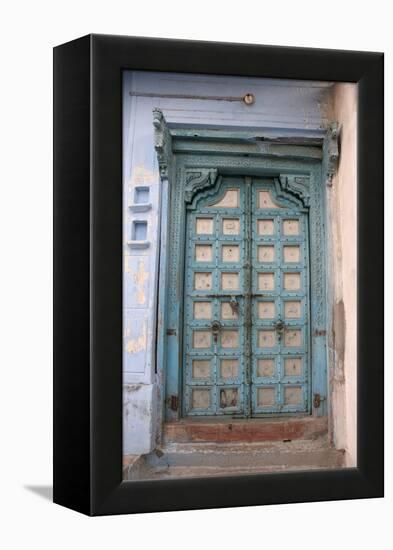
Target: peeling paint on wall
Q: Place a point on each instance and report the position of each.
(135, 345)
(139, 279)
(127, 267)
(326, 107)
(137, 274)
(339, 333)
(139, 405)
(129, 388)
(142, 175)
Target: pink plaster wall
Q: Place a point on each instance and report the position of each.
(343, 252)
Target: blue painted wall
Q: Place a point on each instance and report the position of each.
(280, 106)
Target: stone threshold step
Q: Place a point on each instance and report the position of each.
(245, 448)
(250, 430)
(174, 472)
(279, 454)
(205, 459)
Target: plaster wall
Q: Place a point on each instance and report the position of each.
(342, 213)
(293, 107)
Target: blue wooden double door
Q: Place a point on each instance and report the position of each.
(245, 339)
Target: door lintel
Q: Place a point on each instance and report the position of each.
(307, 146)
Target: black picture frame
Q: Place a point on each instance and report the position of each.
(88, 274)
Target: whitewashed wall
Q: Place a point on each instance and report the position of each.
(280, 105)
(342, 212)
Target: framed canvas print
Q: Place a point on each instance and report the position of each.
(218, 269)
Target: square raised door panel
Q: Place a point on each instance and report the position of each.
(204, 226)
(229, 368)
(231, 226)
(203, 281)
(200, 369)
(202, 310)
(292, 309)
(266, 368)
(293, 395)
(266, 397)
(292, 254)
(230, 281)
(228, 397)
(229, 311)
(293, 337)
(265, 227)
(229, 338)
(292, 366)
(200, 398)
(266, 254)
(266, 310)
(292, 281)
(267, 338)
(290, 227)
(201, 339)
(266, 281)
(230, 253)
(203, 252)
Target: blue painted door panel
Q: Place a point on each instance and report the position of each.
(279, 262)
(246, 302)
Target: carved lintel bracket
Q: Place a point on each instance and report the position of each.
(331, 152)
(198, 179)
(297, 187)
(162, 142)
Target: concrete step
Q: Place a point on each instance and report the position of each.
(218, 459)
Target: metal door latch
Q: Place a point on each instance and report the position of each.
(216, 327)
(279, 326)
(317, 400)
(234, 305)
(173, 402)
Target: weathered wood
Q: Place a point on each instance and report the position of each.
(231, 430)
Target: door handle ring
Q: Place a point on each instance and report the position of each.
(215, 328)
(279, 326)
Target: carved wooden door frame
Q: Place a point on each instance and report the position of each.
(191, 160)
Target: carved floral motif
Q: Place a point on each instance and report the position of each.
(162, 142)
(197, 180)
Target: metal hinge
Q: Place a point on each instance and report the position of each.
(173, 402)
(317, 400)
